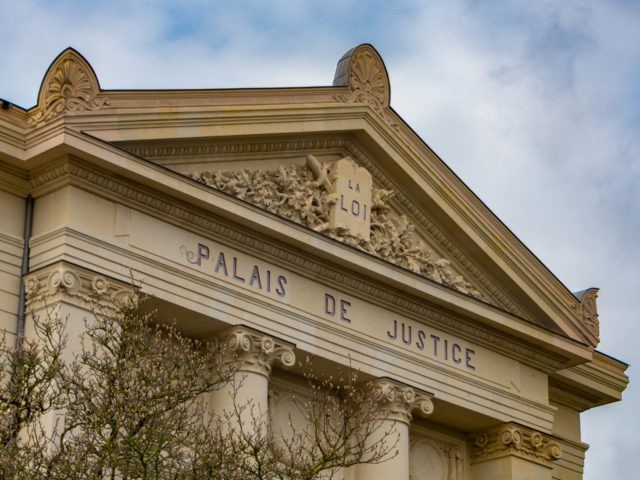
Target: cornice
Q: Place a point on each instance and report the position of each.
(212, 227)
(160, 151)
(14, 243)
(592, 384)
(12, 133)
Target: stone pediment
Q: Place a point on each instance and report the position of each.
(339, 190)
(259, 145)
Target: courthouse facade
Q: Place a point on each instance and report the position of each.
(317, 220)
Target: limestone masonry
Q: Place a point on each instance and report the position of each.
(299, 222)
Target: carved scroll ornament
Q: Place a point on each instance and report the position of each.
(397, 402)
(252, 351)
(513, 439)
(82, 287)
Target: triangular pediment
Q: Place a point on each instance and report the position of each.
(300, 179)
(290, 151)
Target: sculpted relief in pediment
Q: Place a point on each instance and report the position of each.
(338, 199)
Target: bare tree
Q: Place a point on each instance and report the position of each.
(131, 405)
(340, 426)
(133, 397)
(30, 376)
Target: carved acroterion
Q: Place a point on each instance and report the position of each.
(363, 71)
(69, 85)
(588, 310)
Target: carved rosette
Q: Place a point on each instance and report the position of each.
(513, 439)
(69, 85)
(588, 310)
(397, 402)
(252, 351)
(76, 285)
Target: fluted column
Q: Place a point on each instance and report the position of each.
(250, 354)
(513, 452)
(395, 404)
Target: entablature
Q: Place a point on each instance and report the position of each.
(285, 241)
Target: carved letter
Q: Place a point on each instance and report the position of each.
(454, 356)
(343, 310)
(406, 341)
(221, 263)
(255, 277)
(329, 305)
(235, 270)
(203, 253)
(280, 290)
(468, 353)
(395, 331)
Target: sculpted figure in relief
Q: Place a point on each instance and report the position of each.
(305, 196)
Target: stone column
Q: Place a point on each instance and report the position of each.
(395, 404)
(512, 452)
(250, 354)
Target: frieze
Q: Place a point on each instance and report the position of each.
(510, 346)
(514, 439)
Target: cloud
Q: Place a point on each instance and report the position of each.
(535, 105)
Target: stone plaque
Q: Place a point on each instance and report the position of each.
(352, 195)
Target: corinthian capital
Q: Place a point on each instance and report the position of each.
(252, 351)
(514, 439)
(397, 401)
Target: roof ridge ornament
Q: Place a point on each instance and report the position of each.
(587, 310)
(70, 84)
(363, 71)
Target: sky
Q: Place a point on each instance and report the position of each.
(535, 105)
